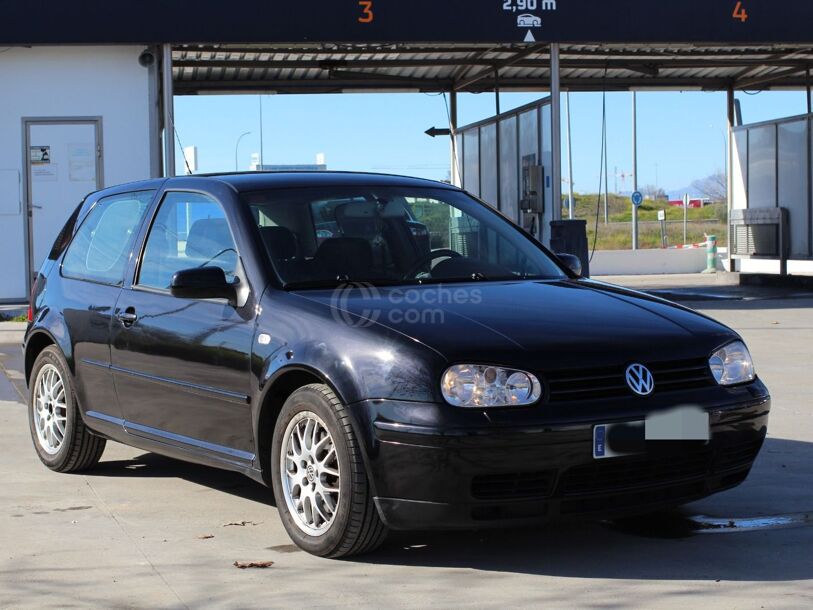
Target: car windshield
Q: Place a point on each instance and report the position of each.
(318, 237)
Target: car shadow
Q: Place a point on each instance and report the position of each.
(658, 547)
(152, 465)
(778, 303)
(664, 546)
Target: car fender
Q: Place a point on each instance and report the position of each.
(280, 364)
(52, 326)
(276, 369)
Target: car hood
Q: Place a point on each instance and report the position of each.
(532, 324)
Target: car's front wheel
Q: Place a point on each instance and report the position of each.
(320, 483)
(60, 436)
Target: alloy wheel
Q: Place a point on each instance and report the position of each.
(50, 409)
(310, 473)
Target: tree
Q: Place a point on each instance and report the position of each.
(715, 186)
(654, 193)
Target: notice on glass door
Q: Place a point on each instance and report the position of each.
(45, 173)
(40, 155)
(81, 163)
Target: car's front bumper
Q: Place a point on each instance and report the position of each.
(434, 467)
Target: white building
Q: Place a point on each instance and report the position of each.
(72, 120)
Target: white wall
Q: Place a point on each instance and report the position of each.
(647, 262)
(65, 82)
(771, 267)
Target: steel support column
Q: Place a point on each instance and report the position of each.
(457, 179)
(168, 106)
(570, 201)
(154, 92)
(499, 201)
(634, 168)
(556, 133)
(809, 167)
(731, 111)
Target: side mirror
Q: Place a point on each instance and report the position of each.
(572, 262)
(203, 283)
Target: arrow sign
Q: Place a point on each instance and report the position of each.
(435, 132)
(529, 37)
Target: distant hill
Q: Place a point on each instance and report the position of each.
(676, 194)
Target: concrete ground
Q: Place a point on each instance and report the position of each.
(145, 531)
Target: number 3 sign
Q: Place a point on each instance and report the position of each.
(367, 15)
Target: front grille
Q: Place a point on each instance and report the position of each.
(610, 382)
(639, 471)
(737, 456)
(617, 473)
(635, 499)
(513, 485)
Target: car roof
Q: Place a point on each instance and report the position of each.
(257, 181)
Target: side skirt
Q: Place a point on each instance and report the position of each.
(171, 445)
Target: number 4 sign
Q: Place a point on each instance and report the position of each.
(739, 12)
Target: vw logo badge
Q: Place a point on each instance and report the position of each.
(640, 379)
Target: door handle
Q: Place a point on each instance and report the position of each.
(127, 317)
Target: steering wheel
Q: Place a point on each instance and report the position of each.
(217, 256)
(424, 260)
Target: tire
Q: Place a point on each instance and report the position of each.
(354, 526)
(70, 447)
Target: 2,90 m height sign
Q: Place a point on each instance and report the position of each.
(528, 5)
(528, 14)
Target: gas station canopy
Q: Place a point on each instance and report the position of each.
(337, 68)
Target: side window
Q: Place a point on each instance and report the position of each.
(451, 228)
(448, 227)
(190, 230)
(101, 248)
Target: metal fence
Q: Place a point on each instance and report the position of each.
(497, 158)
(771, 168)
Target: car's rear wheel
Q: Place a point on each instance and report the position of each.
(62, 440)
(319, 480)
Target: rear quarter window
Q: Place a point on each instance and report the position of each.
(64, 238)
(101, 248)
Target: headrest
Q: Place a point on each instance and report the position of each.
(280, 242)
(351, 256)
(339, 248)
(358, 209)
(208, 237)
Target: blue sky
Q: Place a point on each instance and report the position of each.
(681, 136)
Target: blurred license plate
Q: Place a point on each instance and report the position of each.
(662, 431)
(632, 432)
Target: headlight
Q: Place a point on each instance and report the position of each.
(475, 385)
(732, 364)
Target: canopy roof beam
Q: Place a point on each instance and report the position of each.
(315, 67)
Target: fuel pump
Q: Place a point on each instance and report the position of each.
(532, 204)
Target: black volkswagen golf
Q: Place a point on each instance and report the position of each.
(384, 352)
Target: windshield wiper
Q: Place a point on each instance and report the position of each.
(315, 284)
(312, 284)
(385, 282)
(480, 277)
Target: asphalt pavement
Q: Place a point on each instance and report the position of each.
(145, 531)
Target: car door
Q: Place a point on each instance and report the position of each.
(182, 366)
(92, 271)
